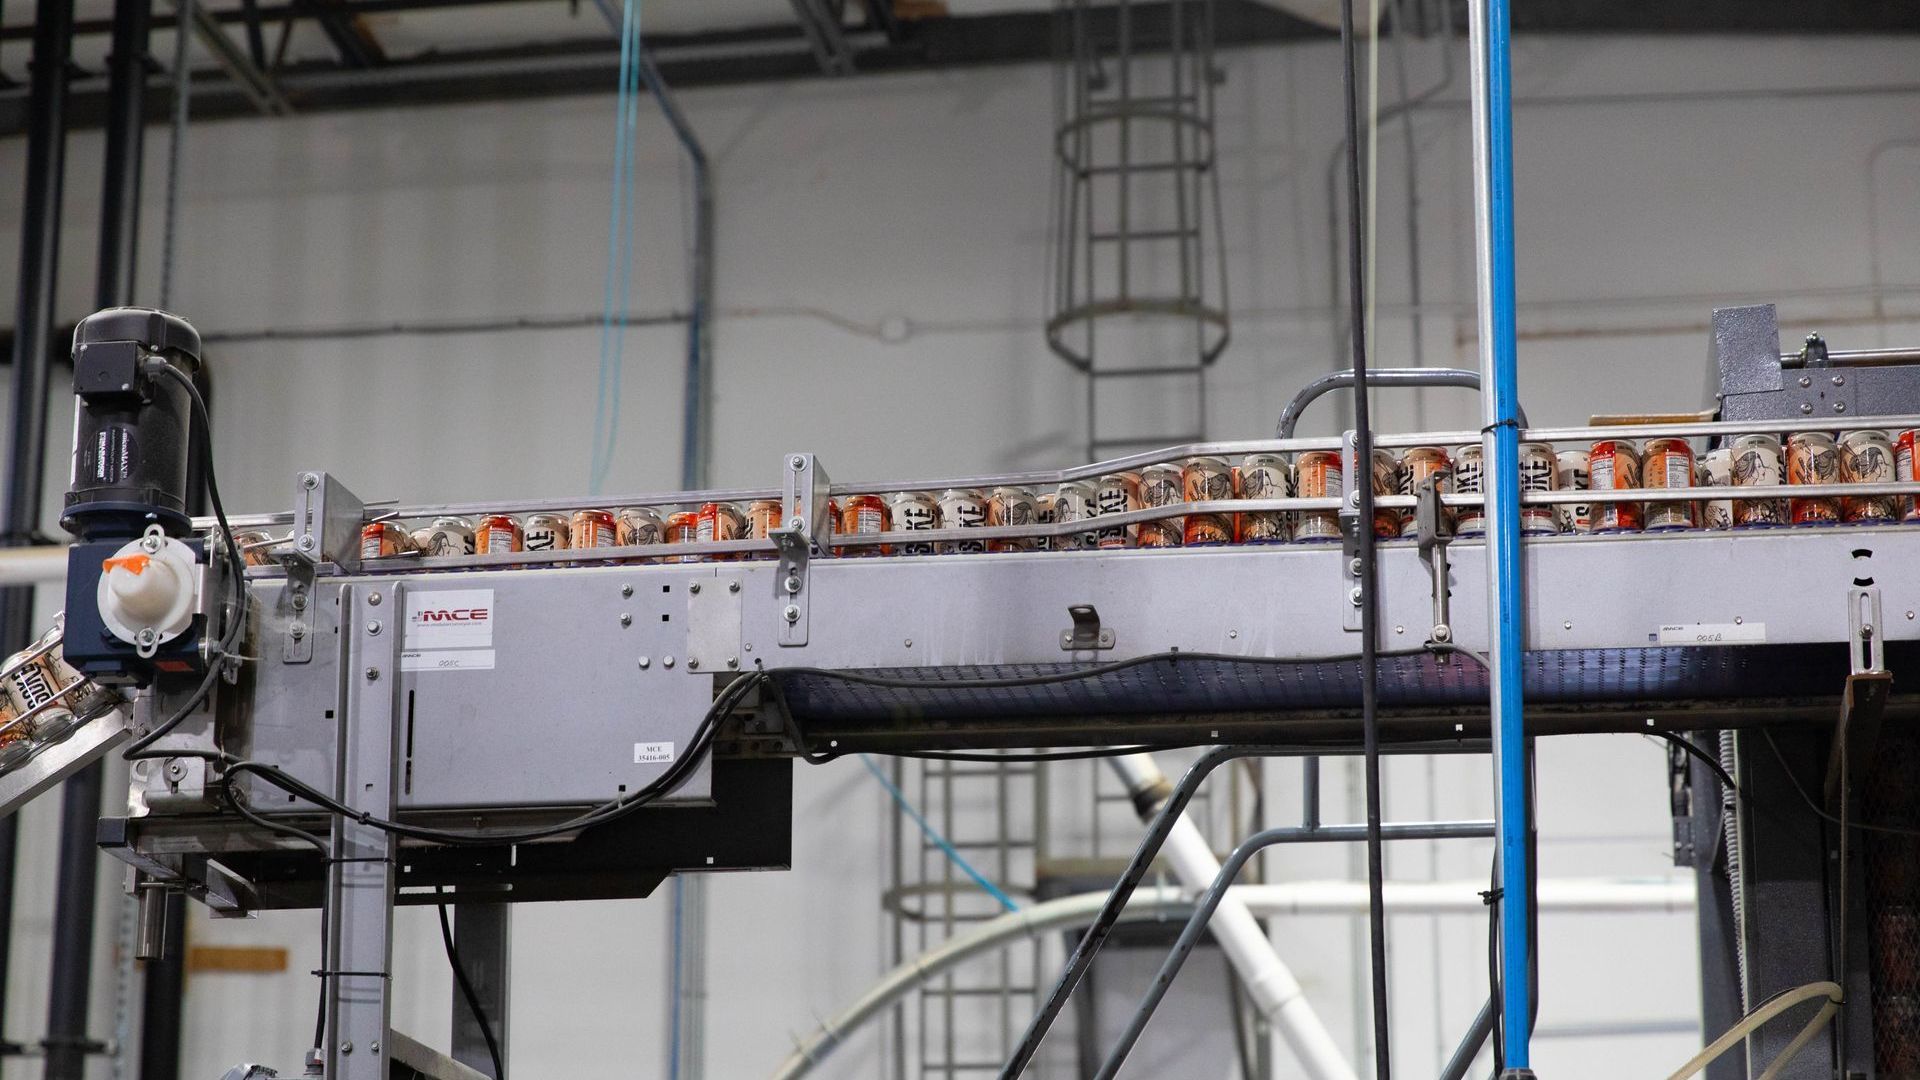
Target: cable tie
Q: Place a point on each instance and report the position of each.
(1509, 422)
(1490, 897)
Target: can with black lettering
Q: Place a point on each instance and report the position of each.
(914, 511)
(1866, 457)
(1117, 493)
(1160, 486)
(1012, 506)
(1614, 465)
(1715, 470)
(1265, 476)
(963, 508)
(544, 532)
(1318, 474)
(1538, 470)
(1757, 462)
(1467, 471)
(1813, 458)
(446, 536)
(1570, 474)
(1667, 463)
(1074, 500)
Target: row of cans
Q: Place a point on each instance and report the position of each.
(1865, 456)
(30, 684)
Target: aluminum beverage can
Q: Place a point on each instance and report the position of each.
(40, 680)
(1538, 469)
(720, 521)
(1467, 471)
(1013, 506)
(1117, 493)
(1570, 474)
(681, 527)
(495, 533)
(1614, 465)
(963, 508)
(1757, 462)
(544, 532)
(1387, 521)
(1043, 506)
(592, 529)
(1206, 479)
(1416, 466)
(1668, 463)
(1715, 470)
(379, 539)
(253, 546)
(1866, 457)
(1903, 471)
(914, 511)
(634, 526)
(1160, 485)
(1075, 500)
(1813, 458)
(446, 536)
(861, 515)
(1265, 476)
(763, 516)
(1318, 475)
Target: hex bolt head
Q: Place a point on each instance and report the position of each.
(667, 662)
(1806, 381)
(693, 663)
(645, 663)
(309, 480)
(305, 543)
(346, 1046)
(694, 588)
(1354, 596)
(176, 770)
(733, 586)
(797, 461)
(146, 636)
(373, 674)
(373, 599)
(373, 626)
(150, 543)
(792, 613)
(1354, 499)
(626, 619)
(626, 590)
(1839, 380)
(793, 583)
(299, 599)
(1839, 406)
(733, 661)
(1806, 407)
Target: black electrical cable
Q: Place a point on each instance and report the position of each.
(1363, 538)
(235, 606)
(1799, 789)
(1702, 757)
(466, 988)
(1172, 656)
(825, 756)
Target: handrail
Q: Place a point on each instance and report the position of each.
(1461, 377)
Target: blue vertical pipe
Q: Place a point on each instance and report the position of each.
(1503, 560)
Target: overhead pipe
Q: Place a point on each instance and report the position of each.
(1270, 983)
(1489, 37)
(1039, 922)
(1376, 377)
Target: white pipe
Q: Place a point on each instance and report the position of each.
(32, 565)
(1570, 896)
(1269, 982)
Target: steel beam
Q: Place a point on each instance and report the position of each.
(483, 935)
(250, 82)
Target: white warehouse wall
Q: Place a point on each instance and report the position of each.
(881, 276)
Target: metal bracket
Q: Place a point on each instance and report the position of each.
(1865, 649)
(1087, 633)
(713, 626)
(297, 602)
(1430, 519)
(326, 522)
(803, 532)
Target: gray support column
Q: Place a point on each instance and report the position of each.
(360, 884)
(483, 936)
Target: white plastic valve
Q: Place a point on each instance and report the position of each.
(149, 591)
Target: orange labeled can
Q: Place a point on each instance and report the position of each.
(862, 515)
(1668, 463)
(682, 527)
(592, 529)
(1614, 465)
(1318, 475)
(1417, 466)
(495, 533)
(1207, 479)
(379, 539)
(1117, 493)
(1160, 485)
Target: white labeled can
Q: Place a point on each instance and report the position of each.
(1715, 470)
(1117, 493)
(1538, 470)
(1866, 457)
(1757, 462)
(1074, 501)
(914, 511)
(1570, 474)
(963, 508)
(1265, 476)
(1468, 468)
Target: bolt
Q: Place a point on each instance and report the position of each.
(909, 643)
(1442, 633)
(797, 461)
(626, 619)
(374, 1046)
(309, 480)
(799, 526)
(1806, 381)
(373, 626)
(305, 543)
(666, 661)
(733, 661)
(1354, 499)
(792, 614)
(176, 770)
(299, 599)
(1738, 619)
(1354, 596)
(1839, 406)
(1353, 567)
(373, 599)
(1399, 629)
(626, 590)
(373, 674)
(733, 586)
(346, 1046)
(150, 542)
(1839, 380)
(1806, 407)
(793, 583)
(645, 663)
(748, 647)
(297, 630)
(1233, 633)
(694, 588)
(1866, 630)
(693, 663)
(1909, 616)
(147, 636)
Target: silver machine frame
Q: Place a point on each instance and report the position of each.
(590, 653)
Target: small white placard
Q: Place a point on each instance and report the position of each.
(450, 619)
(1753, 633)
(652, 753)
(447, 660)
